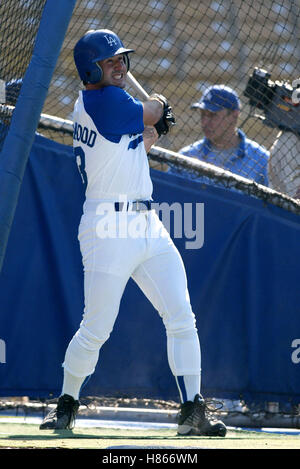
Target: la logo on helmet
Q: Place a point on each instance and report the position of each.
(110, 40)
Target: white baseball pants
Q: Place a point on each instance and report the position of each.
(116, 246)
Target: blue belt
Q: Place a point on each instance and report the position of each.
(136, 206)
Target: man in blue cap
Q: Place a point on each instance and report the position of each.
(224, 144)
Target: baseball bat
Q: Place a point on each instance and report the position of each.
(137, 86)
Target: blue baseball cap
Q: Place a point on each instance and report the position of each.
(218, 97)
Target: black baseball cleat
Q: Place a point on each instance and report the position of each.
(63, 416)
(193, 421)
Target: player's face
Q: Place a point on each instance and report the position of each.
(218, 126)
(114, 71)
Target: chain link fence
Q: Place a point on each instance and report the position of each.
(181, 48)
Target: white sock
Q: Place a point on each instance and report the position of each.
(72, 385)
(188, 386)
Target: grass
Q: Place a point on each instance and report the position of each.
(22, 435)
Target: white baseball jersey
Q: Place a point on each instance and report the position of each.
(108, 144)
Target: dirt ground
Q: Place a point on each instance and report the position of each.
(88, 403)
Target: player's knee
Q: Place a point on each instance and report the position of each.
(80, 361)
(182, 320)
(91, 341)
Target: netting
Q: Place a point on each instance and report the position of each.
(18, 28)
(181, 48)
(232, 413)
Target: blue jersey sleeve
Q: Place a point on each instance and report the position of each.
(114, 112)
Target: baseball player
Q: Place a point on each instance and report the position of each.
(120, 236)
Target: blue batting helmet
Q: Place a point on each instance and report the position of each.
(97, 45)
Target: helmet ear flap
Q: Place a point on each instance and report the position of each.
(127, 61)
(94, 75)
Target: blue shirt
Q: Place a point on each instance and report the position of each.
(248, 159)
